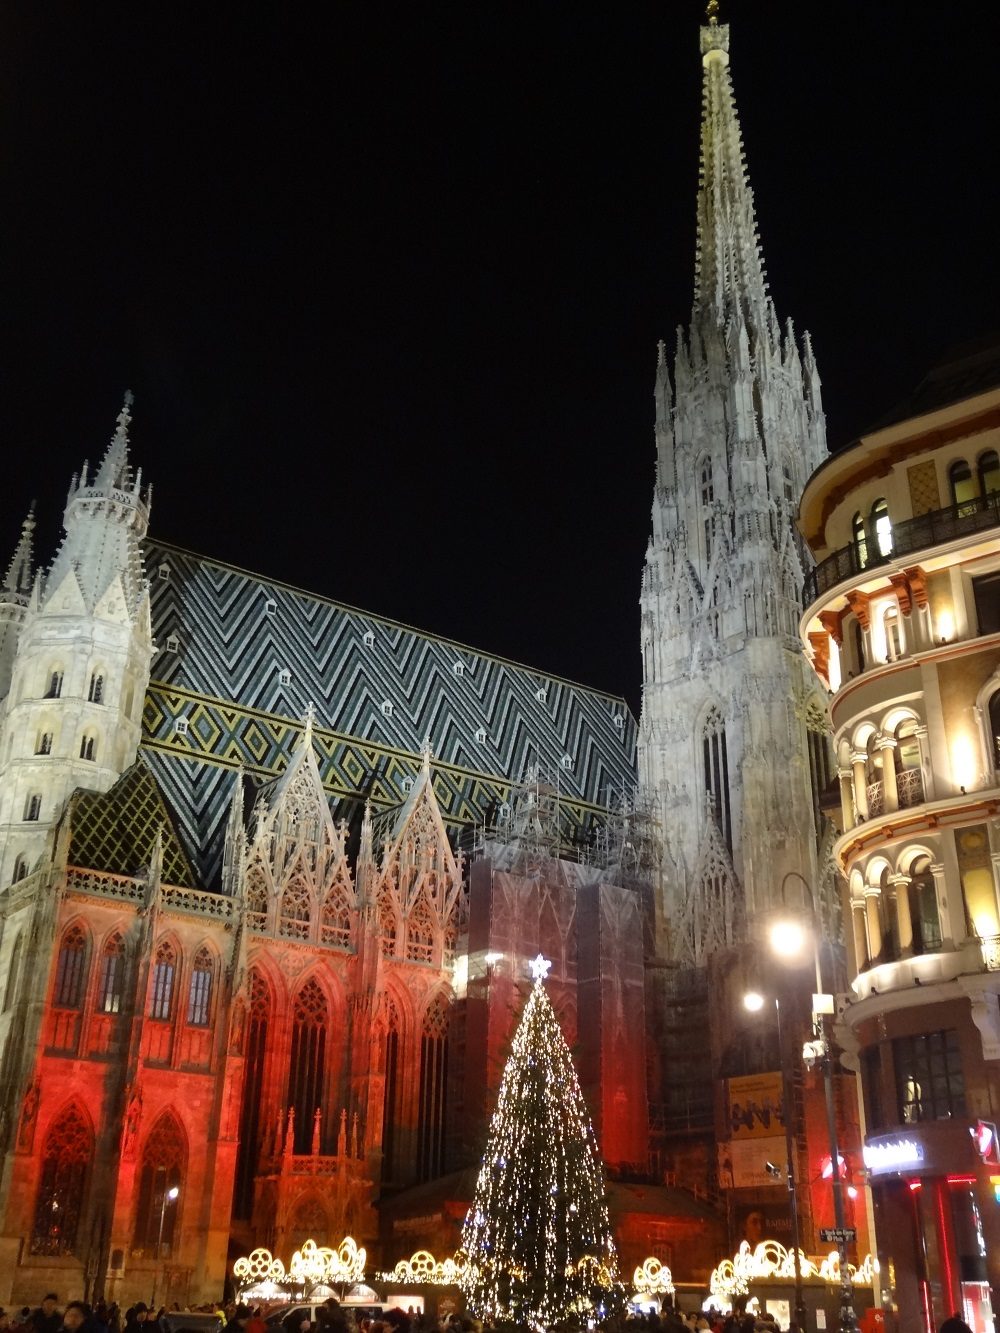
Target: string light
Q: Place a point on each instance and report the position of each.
(771, 1260)
(422, 1268)
(537, 1238)
(312, 1265)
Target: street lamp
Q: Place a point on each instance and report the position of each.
(169, 1196)
(754, 1002)
(789, 940)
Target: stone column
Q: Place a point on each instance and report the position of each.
(944, 912)
(926, 768)
(890, 793)
(874, 919)
(860, 936)
(846, 778)
(901, 890)
(859, 762)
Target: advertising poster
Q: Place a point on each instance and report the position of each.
(751, 1163)
(754, 1222)
(754, 1106)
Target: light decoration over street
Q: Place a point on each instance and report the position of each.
(423, 1269)
(312, 1266)
(653, 1278)
(537, 1238)
(771, 1260)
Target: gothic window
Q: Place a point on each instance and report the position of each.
(95, 692)
(62, 1187)
(200, 995)
(33, 807)
(433, 1085)
(387, 923)
(859, 539)
(13, 974)
(821, 774)
(307, 1068)
(988, 469)
(54, 688)
(390, 1095)
(420, 932)
(715, 761)
(963, 486)
(71, 970)
(109, 995)
(293, 920)
(164, 971)
(882, 527)
(256, 898)
(787, 485)
(44, 743)
(160, 1180)
(248, 1155)
(88, 748)
(335, 922)
(893, 636)
(20, 869)
(707, 496)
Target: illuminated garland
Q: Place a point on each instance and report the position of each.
(652, 1278)
(537, 1237)
(312, 1265)
(770, 1259)
(423, 1269)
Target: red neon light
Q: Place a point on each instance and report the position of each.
(915, 1184)
(961, 1180)
(947, 1254)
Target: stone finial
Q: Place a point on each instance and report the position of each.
(426, 754)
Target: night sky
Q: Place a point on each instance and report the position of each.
(387, 287)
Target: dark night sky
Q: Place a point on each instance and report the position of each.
(388, 290)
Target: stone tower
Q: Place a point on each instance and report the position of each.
(728, 697)
(73, 712)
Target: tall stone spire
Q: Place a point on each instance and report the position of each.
(20, 571)
(729, 269)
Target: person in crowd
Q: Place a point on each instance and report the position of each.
(955, 1324)
(136, 1317)
(239, 1320)
(75, 1316)
(48, 1317)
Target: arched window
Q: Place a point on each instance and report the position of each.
(62, 1188)
(43, 745)
(164, 970)
(859, 537)
(88, 747)
(13, 975)
(960, 479)
(200, 995)
(893, 635)
(859, 646)
(109, 995)
(420, 932)
(20, 869)
(882, 527)
(433, 1086)
(161, 1174)
(33, 807)
(248, 1154)
(95, 693)
(335, 922)
(390, 1094)
(54, 688)
(924, 908)
(293, 920)
(71, 970)
(787, 484)
(988, 468)
(307, 1068)
(707, 496)
(715, 762)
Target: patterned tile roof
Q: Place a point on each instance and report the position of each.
(240, 658)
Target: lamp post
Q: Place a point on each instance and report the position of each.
(788, 939)
(169, 1196)
(754, 1002)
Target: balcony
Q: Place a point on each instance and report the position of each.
(911, 534)
(909, 788)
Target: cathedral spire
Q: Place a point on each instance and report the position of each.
(114, 470)
(729, 269)
(20, 571)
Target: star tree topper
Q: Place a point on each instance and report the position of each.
(539, 968)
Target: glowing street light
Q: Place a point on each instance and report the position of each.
(169, 1196)
(754, 1001)
(789, 939)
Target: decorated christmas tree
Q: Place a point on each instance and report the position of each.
(537, 1237)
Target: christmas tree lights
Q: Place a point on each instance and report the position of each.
(537, 1238)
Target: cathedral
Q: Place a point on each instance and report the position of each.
(271, 866)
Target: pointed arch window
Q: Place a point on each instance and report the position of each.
(44, 743)
(882, 527)
(390, 1094)
(433, 1086)
(199, 1007)
(963, 486)
(335, 922)
(293, 921)
(62, 1187)
(707, 486)
(95, 691)
(307, 1068)
(54, 688)
(112, 985)
(33, 808)
(162, 1172)
(248, 1155)
(715, 763)
(787, 484)
(988, 469)
(20, 869)
(88, 748)
(161, 1003)
(13, 975)
(859, 539)
(71, 970)
(420, 932)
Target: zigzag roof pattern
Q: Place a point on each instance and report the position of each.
(241, 657)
